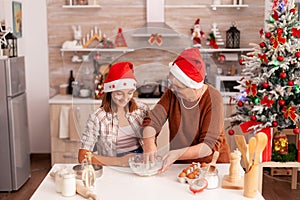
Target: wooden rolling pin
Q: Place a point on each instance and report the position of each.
(85, 192)
(81, 190)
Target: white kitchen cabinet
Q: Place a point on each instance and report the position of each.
(66, 150)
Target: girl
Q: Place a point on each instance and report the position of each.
(115, 127)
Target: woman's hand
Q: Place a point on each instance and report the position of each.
(150, 150)
(149, 146)
(170, 158)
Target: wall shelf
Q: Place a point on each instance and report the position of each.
(81, 6)
(214, 7)
(225, 50)
(185, 6)
(97, 50)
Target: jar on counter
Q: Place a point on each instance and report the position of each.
(68, 188)
(212, 178)
(59, 179)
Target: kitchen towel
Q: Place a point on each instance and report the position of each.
(64, 122)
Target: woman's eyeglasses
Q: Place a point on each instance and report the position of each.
(173, 85)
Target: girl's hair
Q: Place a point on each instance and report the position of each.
(107, 103)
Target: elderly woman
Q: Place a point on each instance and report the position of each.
(195, 113)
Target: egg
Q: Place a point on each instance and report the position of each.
(204, 164)
(182, 174)
(191, 175)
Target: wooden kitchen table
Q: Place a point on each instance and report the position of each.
(121, 183)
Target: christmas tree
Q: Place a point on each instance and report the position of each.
(270, 94)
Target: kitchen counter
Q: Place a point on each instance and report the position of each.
(69, 99)
(121, 183)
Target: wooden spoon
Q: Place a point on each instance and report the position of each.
(261, 142)
(252, 147)
(212, 165)
(242, 146)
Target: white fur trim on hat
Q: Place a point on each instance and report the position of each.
(120, 84)
(182, 77)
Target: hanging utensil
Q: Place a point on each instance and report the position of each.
(251, 147)
(242, 146)
(261, 142)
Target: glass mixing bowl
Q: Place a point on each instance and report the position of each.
(139, 167)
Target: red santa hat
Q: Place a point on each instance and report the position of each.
(197, 22)
(120, 76)
(189, 68)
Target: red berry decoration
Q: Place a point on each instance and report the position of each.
(265, 85)
(268, 34)
(297, 54)
(290, 82)
(262, 44)
(281, 102)
(242, 61)
(296, 131)
(253, 118)
(280, 58)
(275, 124)
(231, 132)
(240, 103)
(282, 75)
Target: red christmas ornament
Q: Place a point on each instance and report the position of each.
(297, 54)
(274, 123)
(268, 34)
(231, 132)
(242, 62)
(281, 102)
(280, 58)
(240, 103)
(262, 44)
(265, 85)
(293, 10)
(290, 82)
(253, 118)
(282, 75)
(296, 131)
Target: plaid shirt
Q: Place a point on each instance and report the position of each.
(102, 129)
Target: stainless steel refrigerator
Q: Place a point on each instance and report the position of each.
(14, 138)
